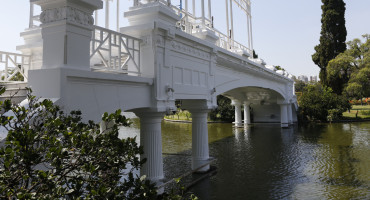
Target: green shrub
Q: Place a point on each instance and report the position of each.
(320, 103)
(52, 155)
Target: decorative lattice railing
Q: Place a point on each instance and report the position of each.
(114, 52)
(13, 66)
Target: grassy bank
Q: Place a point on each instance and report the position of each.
(182, 115)
(362, 112)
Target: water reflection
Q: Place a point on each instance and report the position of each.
(266, 162)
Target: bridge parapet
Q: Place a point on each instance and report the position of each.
(114, 52)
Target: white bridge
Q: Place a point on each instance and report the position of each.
(166, 53)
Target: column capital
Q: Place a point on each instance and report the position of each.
(155, 116)
(198, 106)
(236, 102)
(68, 11)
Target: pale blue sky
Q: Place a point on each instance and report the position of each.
(284, 32)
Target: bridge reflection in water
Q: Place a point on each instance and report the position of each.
(264, 161)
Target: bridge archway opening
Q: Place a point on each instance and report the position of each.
(262, 103)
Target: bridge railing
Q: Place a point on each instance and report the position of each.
(13, 66)
(34, 20)
(114, 52)
(191, 24)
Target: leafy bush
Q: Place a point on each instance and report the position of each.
(52, 155)
(224, 112)
(318, 100)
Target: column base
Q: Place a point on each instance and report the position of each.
(238, 124)
(197, 163)
(284, 125)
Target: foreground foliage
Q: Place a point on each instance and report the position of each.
(52, 155)
(321, 103)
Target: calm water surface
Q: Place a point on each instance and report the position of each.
(266, 162)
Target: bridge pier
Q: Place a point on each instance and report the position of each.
(284, 115)
(200, 150)
(151, 140)
(290, 114)
(238, 113)
(247, 118)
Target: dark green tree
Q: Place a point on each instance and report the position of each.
(299, 85)
(333, 35)
(225, 111)
(349, 71)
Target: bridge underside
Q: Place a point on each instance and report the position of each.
(263, 103)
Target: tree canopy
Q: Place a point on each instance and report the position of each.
(349, 72)
(333, 35)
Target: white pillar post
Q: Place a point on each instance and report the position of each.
(118, 15)
(238, 113)
(66, 39)
(251, 31)
(249, 35)
(194, 9)
(186, 10)
(96, 18)
(209, 10)
(200, 149)
(232, 20)
(203, 14)
(284, 115)
(31, 15)
(227, 24)
(107, 14)
(290, 114)
(151, 140)
(247, 118)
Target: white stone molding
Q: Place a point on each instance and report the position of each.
(70, 14)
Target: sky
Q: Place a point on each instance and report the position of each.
(285, 32)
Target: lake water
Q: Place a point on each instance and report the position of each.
(263, 161)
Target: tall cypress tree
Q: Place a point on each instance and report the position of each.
(333, 35)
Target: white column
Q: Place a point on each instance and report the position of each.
(284, 115)
(227, 24)
(117, 15)
(209, 10)
(31, 15)
(194, 8)
(200, 149)
(232, 20)
(107, 14)
(203, 14)
(238, 113)
(249, 34)
(290, 115)
(96, 18)
(247, 118)
(151, 140)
